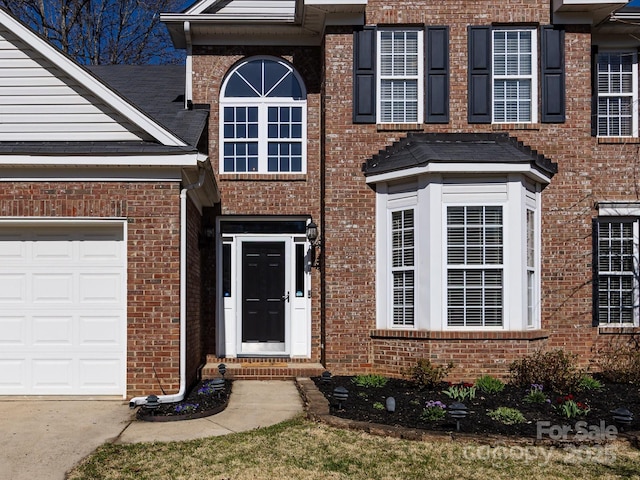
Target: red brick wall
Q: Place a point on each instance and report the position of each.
(195, 318)
(335, 191)
(298, 194)
(153, 269)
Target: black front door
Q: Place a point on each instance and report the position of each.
(263, 295)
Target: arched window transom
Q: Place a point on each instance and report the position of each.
(263, 119)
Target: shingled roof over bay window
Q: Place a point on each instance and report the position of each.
(459, 153)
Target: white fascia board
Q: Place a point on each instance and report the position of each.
(215, 18)
(181, 160)
(462, 168)
(86, 79)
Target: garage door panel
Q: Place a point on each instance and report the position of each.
(100, 331)
(48, 247)
(98, 374)
(14, 374)
(52, 288)
(52, 374)
(13, 288)
(13, 247)
(104, 288)
(52, 331)
(13, 331)
(62, 310)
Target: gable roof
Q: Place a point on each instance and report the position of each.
(470, 151)
(20, 46)
(157, 90)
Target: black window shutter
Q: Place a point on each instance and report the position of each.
(364, 75)
(594, 275)
(479, 101)
(594, 90)
(553, 86)
(437, 75)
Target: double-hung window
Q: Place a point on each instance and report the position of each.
(616, 282)
(403, 267)
(400, 76)
(514, 79)
(263, 119)
(474, 251)
(507, 66)
(617, 90)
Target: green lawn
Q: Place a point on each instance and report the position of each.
(300, 449)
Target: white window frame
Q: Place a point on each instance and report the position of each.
(263, 103)
(635, 255)
(532, 76)
(430, 195)
(418, 77)
(633, 95)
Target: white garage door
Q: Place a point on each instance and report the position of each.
(62, 310)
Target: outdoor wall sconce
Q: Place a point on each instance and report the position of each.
(314, 239)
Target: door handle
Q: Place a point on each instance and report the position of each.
(286, 297)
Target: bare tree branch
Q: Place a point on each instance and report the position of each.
(102, 31)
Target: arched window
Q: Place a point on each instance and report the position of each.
(263, 120)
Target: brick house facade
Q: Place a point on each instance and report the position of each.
(352, 327)
(472, 174)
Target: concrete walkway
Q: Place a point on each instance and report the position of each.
(253, 404)
(44, 439)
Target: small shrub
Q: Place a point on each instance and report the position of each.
(536, 395)
(433, 410)
(489, 385)
(507, 415)
(620, 363)
(378, 405)
(370, 380)
(427, 375)
(556, 370)
(461, 392)
(587, 382)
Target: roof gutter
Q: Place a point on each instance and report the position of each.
(176, 397)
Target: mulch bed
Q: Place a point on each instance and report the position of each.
(201, 401)
(364, 404)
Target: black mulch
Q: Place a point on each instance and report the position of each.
(364, 404)
(201, 401)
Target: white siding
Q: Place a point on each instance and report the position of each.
(38, 102)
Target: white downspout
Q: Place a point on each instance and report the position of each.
(176, 397)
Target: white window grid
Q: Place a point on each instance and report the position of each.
(617, 86)
(273, 148)
(475, 256)
(618, 272)
(400, 76)
(514, 76)
(403, 266)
